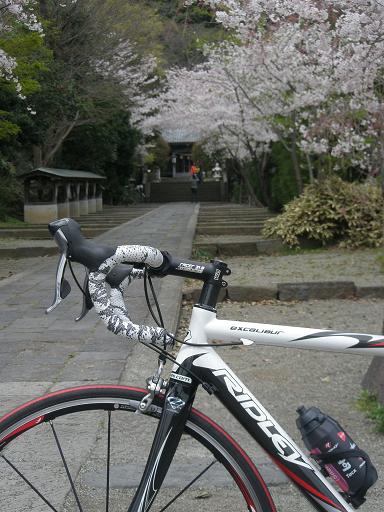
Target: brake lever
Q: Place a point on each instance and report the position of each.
(87, 302)
(62, 287)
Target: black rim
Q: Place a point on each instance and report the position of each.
(108, 407)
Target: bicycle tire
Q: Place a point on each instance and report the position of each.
(87, 400)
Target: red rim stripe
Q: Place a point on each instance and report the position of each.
(62, 391)
(243, 454)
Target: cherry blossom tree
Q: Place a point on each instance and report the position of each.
(335, 52)
(305, 72)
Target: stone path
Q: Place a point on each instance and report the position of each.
(39, 351)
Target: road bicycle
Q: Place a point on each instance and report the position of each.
(97, 433)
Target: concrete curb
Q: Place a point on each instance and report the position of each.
(27, 252)
(171, 288)
(239, 248)
(316, 290)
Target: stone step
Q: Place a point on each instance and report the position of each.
(212, 207)
(238, 246)
(234, 218)
(181, 191)
(92, 225)
(232, 222)
(229, 230)
(43, 233)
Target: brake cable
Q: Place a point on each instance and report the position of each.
(161, 322)
(75, 278)
(147, 279)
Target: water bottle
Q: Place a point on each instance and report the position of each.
(337, 455)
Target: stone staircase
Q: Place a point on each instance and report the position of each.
(175, 190)
(92, 224)
(30, 240)
(227, 229)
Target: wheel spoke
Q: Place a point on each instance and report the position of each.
(108, 460)
(66, 467)
(188, 485)
(34, 489)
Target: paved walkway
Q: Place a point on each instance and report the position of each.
(39, 353)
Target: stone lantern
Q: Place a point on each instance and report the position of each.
(217, 172)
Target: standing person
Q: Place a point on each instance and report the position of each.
(194, 187)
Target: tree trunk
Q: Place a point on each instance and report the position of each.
(295, 160)
(43, 7)
(264, 179)
(296, 166)
(310, 169)
(37, 156)
(248, 185)
(58, 138)
(244, 179)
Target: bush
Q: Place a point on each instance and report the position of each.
(332, 210)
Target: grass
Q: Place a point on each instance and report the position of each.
(380, 260)
(202, 255)
(369, 404)
(10, 222)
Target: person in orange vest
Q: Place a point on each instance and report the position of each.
(194, 188)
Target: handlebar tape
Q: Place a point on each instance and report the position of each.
(114, 315)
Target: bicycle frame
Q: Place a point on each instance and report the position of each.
(208, 367)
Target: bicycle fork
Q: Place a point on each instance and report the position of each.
(177, 405)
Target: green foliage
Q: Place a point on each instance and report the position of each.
(175, 9)
(380, 260)
(107, 148)
(7, 128)
(186, 30)
(32, 57)
(9, 222)
(11, 192)
(332, 210)
(369, 404)
(201, 254)
(159, 155)
(205, 161)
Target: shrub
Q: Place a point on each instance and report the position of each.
(332, 210)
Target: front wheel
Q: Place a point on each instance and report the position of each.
(84, 449)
